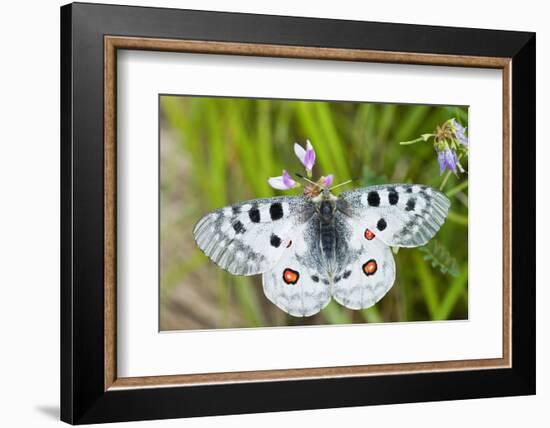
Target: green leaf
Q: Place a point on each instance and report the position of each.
(440, 257)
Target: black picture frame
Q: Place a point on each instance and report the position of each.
(83, 396)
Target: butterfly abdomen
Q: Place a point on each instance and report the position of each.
(328, 240)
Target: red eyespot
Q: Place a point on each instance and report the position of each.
(369, 234)
(290, 276)
(370, 267)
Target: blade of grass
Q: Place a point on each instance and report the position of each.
(452, 295)
(177, 273)
(246, 153)
(248, 301)
(217, 164)
(411, 122)
(223, 298)
(427, 285)
(334, 314)
(263, 141)
(361, 136)
(183, 121)
(372, 314)
(387, 120)
(331, 138)
(457, 189)
(458, 218)
(320, 138)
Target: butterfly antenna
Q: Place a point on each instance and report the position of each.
(341, 184)
(307, 179)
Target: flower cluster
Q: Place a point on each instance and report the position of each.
(450, 144)
(307, 158)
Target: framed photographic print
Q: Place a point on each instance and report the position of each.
(265, 213)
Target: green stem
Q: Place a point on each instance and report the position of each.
(457, 189)
(416, 140)
(445, 179)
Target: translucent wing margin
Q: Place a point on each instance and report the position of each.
(401, 215)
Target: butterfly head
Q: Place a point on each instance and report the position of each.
(326, 195)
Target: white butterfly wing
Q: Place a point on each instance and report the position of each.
(250, 237)
(401, 215)
(298, 284)
(365, 265)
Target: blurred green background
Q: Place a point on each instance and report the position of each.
(219, 151)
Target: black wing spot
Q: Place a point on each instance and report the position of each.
(236, 209)
(410, 204)
(337, 279)
(409, 189)
(347, 274)
(315, 278)
(393, 197)
(238, 227)
(254, 215)
(276, 211)
(325, 281)
(373, 198)
(381, 225)
(275, 240)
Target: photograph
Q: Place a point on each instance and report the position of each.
(288, 212)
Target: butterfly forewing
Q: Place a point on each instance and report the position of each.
(401, 215)
(250, 237)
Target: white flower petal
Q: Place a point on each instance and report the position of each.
(300, 152)
(277, 183)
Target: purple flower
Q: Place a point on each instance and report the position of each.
(460, 133)
(327, 181)
(307, 156)
(447, 159)
(283, 182)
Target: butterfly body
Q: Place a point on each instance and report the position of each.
(312, 248)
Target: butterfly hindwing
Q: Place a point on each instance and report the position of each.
(250, 237)
(402, 215)
(365, 269)
(298, 284)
